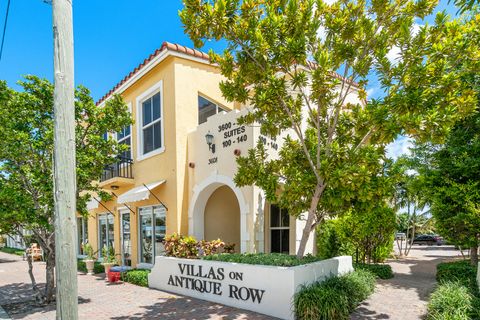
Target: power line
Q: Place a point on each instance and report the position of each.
(4, 29)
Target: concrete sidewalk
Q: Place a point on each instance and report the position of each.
(100, 300)
(405, 296)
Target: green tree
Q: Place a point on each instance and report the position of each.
(26, 176)
(453, 174)
(409, 195)
(282, 59)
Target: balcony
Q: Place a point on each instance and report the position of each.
(119, 173)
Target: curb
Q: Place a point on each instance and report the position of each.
(4, 315)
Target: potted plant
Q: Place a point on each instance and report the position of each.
(108, 256)
(90, 259)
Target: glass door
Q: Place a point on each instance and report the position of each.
(152, 232)
(105, 231)
(126, 239)
(160, 229)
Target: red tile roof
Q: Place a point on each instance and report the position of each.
(165, 46)
(181, 49)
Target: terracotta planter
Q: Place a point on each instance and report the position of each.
(90, 265)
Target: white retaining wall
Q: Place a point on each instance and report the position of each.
(264, 289)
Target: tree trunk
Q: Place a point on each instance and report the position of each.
(474, 255)
(50, 277)
(310, 220)
(414, 219)
(39, 297)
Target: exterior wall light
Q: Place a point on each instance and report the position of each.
(114, 187)
(211, 145)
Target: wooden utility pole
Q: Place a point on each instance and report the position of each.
(64, 162)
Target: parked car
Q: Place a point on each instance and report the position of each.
(400, 236)
(428, 240)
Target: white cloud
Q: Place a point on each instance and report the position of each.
(399, 147)
(371, 91)
(394, 54)
(322, 33)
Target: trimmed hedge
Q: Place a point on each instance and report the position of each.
(334, 298)
(267, 259)
(82, 267)
(456, 296)
(381, 271)
(138, 277)
(18, 252)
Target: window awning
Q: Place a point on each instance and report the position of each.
(139, 193)
(92, 204)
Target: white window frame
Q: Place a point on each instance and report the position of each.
(219, 107)
(84, 222)
(130, 135)
(270, 228)
(156, 88)
(140, 264)
(122, 211)
(100, 217)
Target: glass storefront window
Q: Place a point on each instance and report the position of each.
(126, 239)
(152, 232)
(82, 234)
(105, 231)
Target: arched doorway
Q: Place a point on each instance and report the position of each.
(201, 194)
(222, 217)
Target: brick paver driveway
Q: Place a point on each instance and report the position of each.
(405, 296)
(99, 300)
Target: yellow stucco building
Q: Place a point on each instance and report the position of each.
(178, 174)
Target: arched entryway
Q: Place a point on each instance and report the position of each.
(213, 195)
(222, 217)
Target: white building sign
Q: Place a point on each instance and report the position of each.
(264, 289)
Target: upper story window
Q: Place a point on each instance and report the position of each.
(105, 136)
(206, 109)
(124, 137)
(150, 122)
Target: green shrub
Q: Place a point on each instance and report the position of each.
(334, 298)
(177, 245)
(450, 301)
(138, 277)
(329, 242)
(457, 296)
(18, 252)
(381, 271)
(461, 271)
(82, 267)
(268, 259)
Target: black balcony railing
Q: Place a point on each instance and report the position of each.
(122, 168)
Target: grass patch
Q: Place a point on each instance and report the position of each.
(97, 268)
(266, 259)
(334, 298)
(456, 296)
(381, 271)
(138, 277)
(18, 252)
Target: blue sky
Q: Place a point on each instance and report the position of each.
(111, 38)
